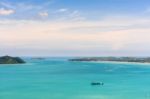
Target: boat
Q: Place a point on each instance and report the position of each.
(97, 83)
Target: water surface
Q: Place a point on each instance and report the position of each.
(57, 78)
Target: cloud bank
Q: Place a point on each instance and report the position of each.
(52, 28)
(107, 36)
(5, 12)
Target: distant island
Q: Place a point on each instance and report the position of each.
(38, 58)
(115, 59)
(11, 60)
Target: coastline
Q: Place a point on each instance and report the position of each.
(117, 62)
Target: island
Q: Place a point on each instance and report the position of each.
(11, 60)
(115, 59)
(38, 58)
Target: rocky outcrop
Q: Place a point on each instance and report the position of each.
(11, 60)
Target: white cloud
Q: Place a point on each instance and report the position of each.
(25, 6)
(6, 11)
(62, 10)
(43, 14)
(68, 14)
(106, 35)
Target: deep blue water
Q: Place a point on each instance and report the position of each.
(57, 78)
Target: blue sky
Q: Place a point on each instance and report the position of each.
(75, 27)
(91, 9)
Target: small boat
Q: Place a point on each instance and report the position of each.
(97, 83)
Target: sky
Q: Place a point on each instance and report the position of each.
(75, 27)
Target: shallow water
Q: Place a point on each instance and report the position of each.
(57, 78)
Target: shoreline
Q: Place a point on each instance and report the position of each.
(117, 62)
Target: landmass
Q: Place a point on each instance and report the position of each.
(115, 59)
(11, 60)
(38, 58)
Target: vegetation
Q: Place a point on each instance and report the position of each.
(117, 59)
(11, 60)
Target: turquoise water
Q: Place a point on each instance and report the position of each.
(57, 78)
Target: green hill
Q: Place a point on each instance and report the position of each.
(11, 60)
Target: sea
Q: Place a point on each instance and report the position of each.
(58, 78)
